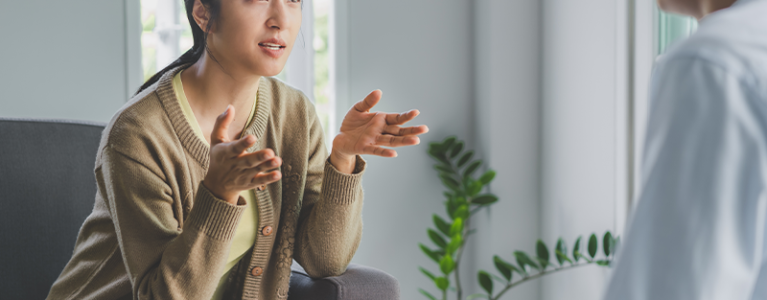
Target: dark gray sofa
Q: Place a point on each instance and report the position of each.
(47, 188)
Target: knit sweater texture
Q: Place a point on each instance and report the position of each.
(156, 232)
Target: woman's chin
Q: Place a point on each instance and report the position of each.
(269, 72)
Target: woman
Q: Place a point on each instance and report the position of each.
(183, 211)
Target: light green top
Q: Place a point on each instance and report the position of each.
(245, 236)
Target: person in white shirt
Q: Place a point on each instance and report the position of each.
(698, 229)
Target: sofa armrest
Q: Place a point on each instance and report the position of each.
(358, 282)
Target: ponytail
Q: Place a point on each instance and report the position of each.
(200, 39)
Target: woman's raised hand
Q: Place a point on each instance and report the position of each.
(231, 169)
(365, 132)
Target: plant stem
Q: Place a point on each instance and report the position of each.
(458, 254)
(539, 275)
(444, 295)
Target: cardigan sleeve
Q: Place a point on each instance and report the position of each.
(330, 222)
(162, 260)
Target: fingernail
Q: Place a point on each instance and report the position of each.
(226, 111)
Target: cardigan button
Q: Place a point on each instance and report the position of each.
(267, 230)
(257, 271)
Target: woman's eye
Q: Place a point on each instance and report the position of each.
(295, 1)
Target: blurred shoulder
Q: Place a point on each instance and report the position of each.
(732, 40)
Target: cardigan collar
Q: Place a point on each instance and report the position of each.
(198, 148)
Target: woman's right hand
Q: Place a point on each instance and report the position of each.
(231, 169)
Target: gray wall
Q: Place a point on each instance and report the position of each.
(419, 54)
(507, 96)
(578, 133)
(68, 59)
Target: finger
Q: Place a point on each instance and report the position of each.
(403, 131)
(252, 160)
(266, 166)
(265, 178)
(371, 100)
(379, 151)
(402, 118)
(220, 128)
(242, 144)
(397, 141)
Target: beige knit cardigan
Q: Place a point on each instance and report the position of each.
(157, 233)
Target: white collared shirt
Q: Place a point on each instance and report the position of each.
(698, 230)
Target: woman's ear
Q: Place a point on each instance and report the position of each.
(201, 15)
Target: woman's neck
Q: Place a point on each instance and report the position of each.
(707, 7)
(209, 88)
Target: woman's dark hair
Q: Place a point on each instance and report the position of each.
(200, 39)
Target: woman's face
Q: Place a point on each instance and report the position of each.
(255, 36)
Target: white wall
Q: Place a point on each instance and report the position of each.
(507, 39)
(579, 133)
(68, 59)
(419, 54)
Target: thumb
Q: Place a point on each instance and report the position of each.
(371, 100)
(221, 128)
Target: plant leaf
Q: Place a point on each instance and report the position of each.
(503, 267)
(427, 273)
(454, 244)
(485, 199)
(436, 238)
(471, 168)
(474, 188)
(425, 293)
(607, 243)
(593, 245)
(456, 149)
(543, 254)
(450, 182)
(577, 249)
(487, 177)
(446, 264)
(562, 248)
(447, 143)
(485, 281)
(461, 212)
(465, 158)
(561, 257)
(437, 153)
(443, 168)
(457, 227)
(524, 260)
(431, 254)
(441, 225)
(603, 262)
(451, 207)
(442, 283)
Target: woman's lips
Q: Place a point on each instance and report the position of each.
(273, 50)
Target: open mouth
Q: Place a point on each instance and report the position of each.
(271, 46)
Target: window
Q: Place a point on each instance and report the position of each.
(672, 28)
(166, 35)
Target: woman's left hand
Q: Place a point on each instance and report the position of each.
(365, 132)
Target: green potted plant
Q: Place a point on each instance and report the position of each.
(464, 197)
